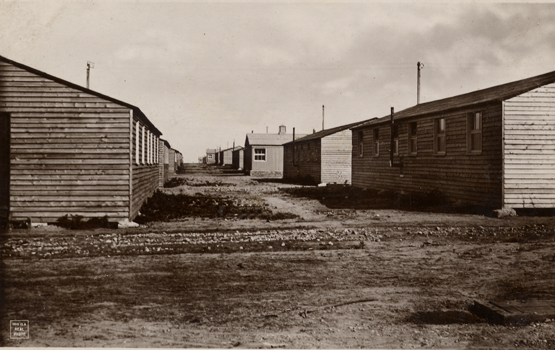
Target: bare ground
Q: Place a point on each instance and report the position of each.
(330, 278)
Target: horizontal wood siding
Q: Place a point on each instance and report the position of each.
(529, 149)
(227, 157)
(336, 157)
(272, 167)
(238, 159)
(163, 163)
(145, 169)
(69, 149)
(308, 164)
(461, 177)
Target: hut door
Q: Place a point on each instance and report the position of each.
(4, 166)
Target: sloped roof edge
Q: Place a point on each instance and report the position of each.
(136, 110)
(496, 93)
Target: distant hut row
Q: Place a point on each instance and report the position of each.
(68, 150)
(493, 147)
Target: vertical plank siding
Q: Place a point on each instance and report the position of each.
(69, 149)
(461, 177)
(336, 157)
(73, 152)
(529, 149)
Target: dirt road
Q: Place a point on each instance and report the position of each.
(325, 278)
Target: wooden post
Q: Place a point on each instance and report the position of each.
(391, 140)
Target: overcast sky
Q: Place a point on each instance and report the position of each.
(207, 73)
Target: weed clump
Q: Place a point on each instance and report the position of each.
(165, 207)
(349, 197)
(77, 222)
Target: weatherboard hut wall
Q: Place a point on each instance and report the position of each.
(69, 149)
(306, 163)
(529, 149)
(238, 159)
(227, 157)
(336, 157)
(460, 177)
(145, 168)
(272, 166)
(163, 163)
(171, 165)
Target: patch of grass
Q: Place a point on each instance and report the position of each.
(165, 207)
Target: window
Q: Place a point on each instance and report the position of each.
(360, 144)
(143, 142)
(474, 133)
(395, 137)
(147, 147)
(376, 138)
(413, 139)
(260, 154)
(439, 136)
(137, 143)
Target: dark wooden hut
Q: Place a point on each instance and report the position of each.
(322, 157)
(493, 147)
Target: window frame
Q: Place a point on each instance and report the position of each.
(361, 143)
(376, 142)
(143, 144)
(440, 135)
(412, 136)
(470, 131)
(254, 155)
(137, 133)
(395, 138)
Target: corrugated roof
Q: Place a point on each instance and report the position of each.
(493, 94)
(270, 139)
(136, 110)
(327, 132)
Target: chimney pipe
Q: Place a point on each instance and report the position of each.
(322, 117)
(419, 67)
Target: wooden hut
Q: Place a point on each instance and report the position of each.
(238, 158)
(263, 155)
(322, 157)
(227, 156)
(211, 156)
(493, 147)
(175, 159)
(164, 162)
(70, 150)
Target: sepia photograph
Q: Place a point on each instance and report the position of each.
(277, 174)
